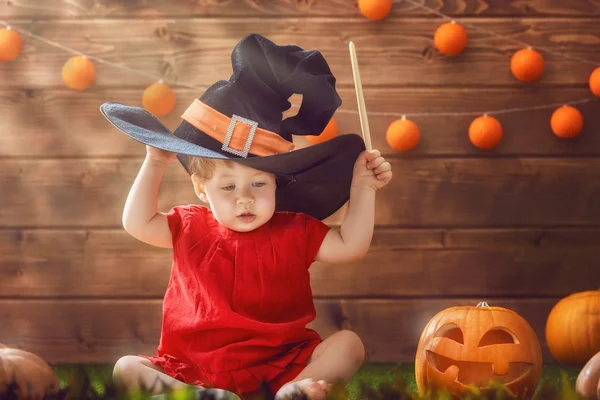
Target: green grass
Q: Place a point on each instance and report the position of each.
(371, 375)
(376, 374)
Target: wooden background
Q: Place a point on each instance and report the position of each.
(518, 227)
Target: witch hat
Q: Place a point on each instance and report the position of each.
(241, 119)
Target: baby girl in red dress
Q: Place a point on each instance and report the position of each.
(238, 299)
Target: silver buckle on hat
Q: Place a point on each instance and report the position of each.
(253, 126)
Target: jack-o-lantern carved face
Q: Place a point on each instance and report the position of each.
(464, 347)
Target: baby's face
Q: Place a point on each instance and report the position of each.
(240, 197)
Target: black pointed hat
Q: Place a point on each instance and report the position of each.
(241, 119)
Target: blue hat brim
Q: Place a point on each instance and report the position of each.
(144, 127)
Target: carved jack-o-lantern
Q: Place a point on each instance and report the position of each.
(471, 347)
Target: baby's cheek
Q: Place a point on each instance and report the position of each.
(267, 202)
(228, 209)
(222, 208)
(269, 199)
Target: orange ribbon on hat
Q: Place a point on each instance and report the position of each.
(235, 133)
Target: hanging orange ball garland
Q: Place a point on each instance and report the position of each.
(566, 122)
(403, 135)
(485, 132)
(330, 131)
(158, 99)
(527, 65)
(375, 10)
(79, 73)
(11, 44)
(450, 39)
(595, 82)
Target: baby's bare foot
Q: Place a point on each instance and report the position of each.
(306, 387)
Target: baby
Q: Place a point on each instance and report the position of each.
(242, 200)
(239, 298)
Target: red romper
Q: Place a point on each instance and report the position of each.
(237, 304)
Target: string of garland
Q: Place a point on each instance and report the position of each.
(450, 39)
(526, 65)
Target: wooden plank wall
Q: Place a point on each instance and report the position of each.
(518, 227)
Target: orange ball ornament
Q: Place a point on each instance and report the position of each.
(375, 9)
(403, 135)
(158, 99)
(527, 65)
(330, 131)
(79, 73)
(485, 132)
(595, 82)
(11, 44)
(450, 39)
(566, 122)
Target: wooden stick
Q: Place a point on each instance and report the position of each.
(362, 110)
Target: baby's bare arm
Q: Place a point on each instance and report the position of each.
(141, 218)
(351, 243)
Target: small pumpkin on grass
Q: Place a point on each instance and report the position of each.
(32, 376)
(573, 328)
(476, 349)
(588, 381)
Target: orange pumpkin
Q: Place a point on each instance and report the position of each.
(403, 135)
(467, 347)
(33, 377)
(11, 44)
(485, 132)
(527, 65)
(573, 328)
(375, 9)
(566, 122)
(450, 39)
(158, 99)
(588, 380)
(595, 82)
(79, 73)
(330, 131)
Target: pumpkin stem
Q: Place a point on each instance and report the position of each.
(483, 304)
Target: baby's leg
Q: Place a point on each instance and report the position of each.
(335, 360)
(130, 372)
